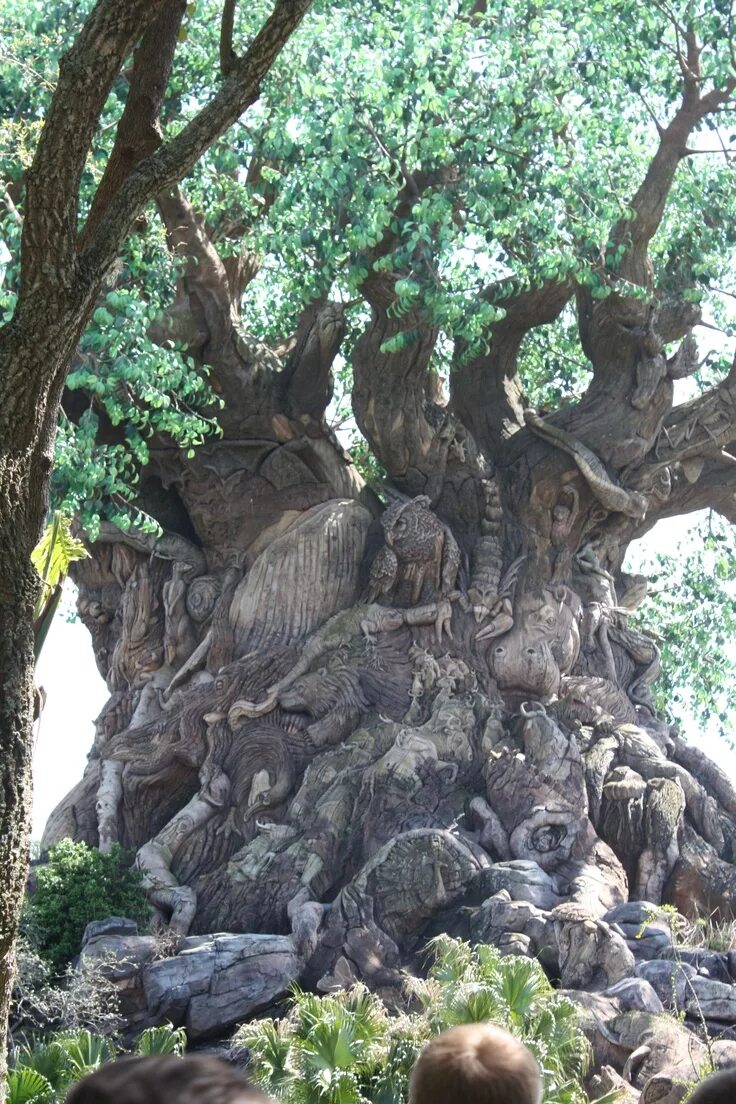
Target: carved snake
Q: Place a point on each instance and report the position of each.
(610, 494)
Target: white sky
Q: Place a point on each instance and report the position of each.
(76, 693)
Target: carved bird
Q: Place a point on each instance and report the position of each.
(419, 550)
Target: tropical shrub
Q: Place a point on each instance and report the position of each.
(42, 1074)
(76, 885)
(346, 1048)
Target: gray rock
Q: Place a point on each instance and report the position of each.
(724, 1053)
(647, 937)
(594, 1008)
(118, 956)
(525, 881)
(216, 982)
(710, 964)
(499, 916)
(515, 943)
(591, 954)
(635, 993)
(631, 912)
(664, 1089)
(711, 999)
(111, 925)
(668, 979)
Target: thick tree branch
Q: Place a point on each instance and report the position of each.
(228, 57)
(86, 75)
(205, 316)
(307, 380)
(647, 206)
(395, 396)
(175, 158)
(623, 334)
(486, 392)
(714, 488)
(139, 130)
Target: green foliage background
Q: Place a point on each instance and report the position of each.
(78, 884)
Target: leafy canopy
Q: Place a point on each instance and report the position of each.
(527, 125)
(531, 120)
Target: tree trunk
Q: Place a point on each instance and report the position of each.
(23, 491)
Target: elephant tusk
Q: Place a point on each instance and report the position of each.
(635, 1059)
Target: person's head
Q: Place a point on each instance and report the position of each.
(165, 1079)
(475, 1064)
(718, 1089)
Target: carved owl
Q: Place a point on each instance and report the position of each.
(419, 549)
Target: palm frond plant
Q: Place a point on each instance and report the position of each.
(345, 1048)
(42, 1073)
(164, 1039)
(27, 1086)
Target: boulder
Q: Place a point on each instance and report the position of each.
(635, 993)
(111, 925)
(657, 1047)
(213, 982)
(591, 954)
(669, 980)
(724, 1053)
(525, 881)
(221, 981)
(709, 964)
(647, 936)
(711, 1000)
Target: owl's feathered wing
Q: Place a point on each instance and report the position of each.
(382, 574)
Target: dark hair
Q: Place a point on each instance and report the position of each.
(475, 1064)
(165, 1079)
(720, 1088)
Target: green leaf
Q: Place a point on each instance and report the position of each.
(28, 1086)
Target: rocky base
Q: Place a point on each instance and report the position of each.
(657, 1016)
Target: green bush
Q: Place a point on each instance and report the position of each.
(76, 885)
(346, 1048)
(42, 1074)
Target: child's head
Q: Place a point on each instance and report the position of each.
(165, 1079)
(718, 1089)
(475, 1064)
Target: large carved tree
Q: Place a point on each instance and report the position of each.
(349, 717)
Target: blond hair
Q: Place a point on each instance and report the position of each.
(475, 1064)
(165, 1079)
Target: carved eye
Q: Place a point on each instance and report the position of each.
(499, 650)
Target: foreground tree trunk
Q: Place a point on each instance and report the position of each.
(62, 269)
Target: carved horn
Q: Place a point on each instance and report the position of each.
(532, 709)
(244, 708)
(635, 1059)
